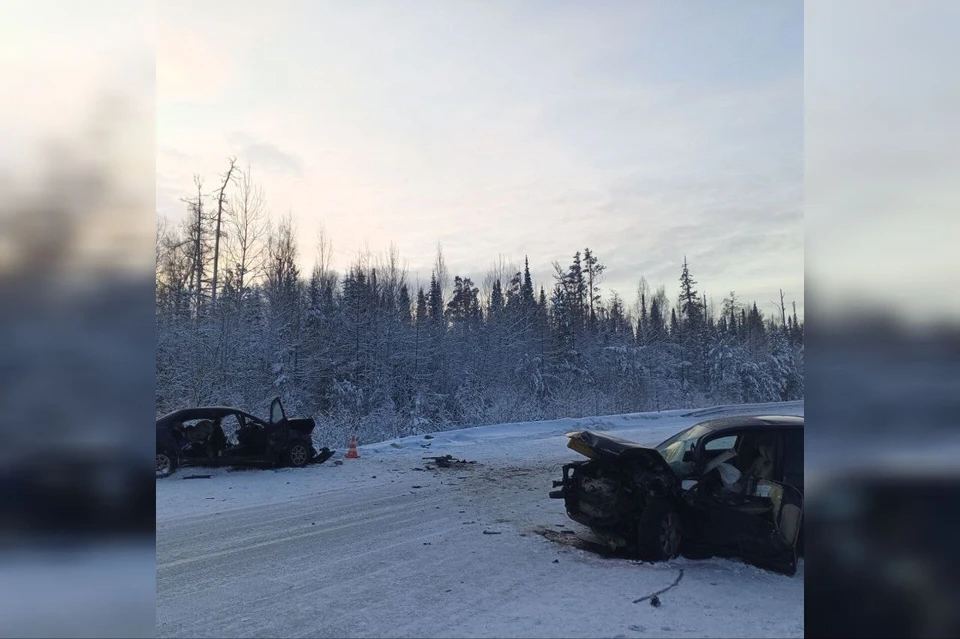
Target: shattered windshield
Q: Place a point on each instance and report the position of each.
(677, 446)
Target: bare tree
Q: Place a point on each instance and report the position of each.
(324, 251)
(196, 233)
(783, 311)
(247, 225)
(440, 269)
(221, 201)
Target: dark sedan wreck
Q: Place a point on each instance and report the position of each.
(725, 487)
(222, 436)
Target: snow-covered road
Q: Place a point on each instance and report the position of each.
(374, 548)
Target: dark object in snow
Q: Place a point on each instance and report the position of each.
(198, 476)
(420, 469)
(655, 597)
(426, 543)
(195, 437)
(338, 462)
(428, 436)
(448, 461)
(556, 561)
(491, 532)
(726, 487)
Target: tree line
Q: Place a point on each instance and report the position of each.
(368, 351)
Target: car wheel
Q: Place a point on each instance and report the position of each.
(298, 455)
(658, 531)
(166, 464)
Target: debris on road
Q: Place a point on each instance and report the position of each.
(492, 532)
(449, 461)
(654, 598)
(198, 476)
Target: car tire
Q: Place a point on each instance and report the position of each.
(166, 464)
(298, 455)
(658, 531)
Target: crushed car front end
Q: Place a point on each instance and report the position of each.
(608, 492)
(594, 496)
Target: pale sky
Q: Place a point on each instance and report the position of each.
(882, 95)
(644, 130)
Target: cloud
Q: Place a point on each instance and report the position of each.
(641, 131)
(265, 156)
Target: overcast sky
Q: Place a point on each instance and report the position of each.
(646, 131)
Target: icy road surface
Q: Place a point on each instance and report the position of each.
(374, 548)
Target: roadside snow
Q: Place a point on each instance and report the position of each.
(98, 592)
(375, 547)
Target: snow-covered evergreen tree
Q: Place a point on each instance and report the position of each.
(361, 353)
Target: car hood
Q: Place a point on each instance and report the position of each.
(303, 424)
(613, 449)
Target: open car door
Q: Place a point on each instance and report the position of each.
(277, 413)
(278, 431)
(762, 526)
(787, 518)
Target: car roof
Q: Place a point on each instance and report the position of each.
(751, 422)
(202, 411)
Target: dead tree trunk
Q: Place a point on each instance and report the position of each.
(216, 239)
(196, 230)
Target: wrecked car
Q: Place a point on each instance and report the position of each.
(725, 487)
(222, 436)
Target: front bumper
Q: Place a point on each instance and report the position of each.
(566, 485)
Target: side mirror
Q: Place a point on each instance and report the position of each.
(688, 456)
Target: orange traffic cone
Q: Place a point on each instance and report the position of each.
(352, 452)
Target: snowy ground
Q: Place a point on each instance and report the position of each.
(374, 548)
(78, 592)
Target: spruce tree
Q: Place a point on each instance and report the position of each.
(422, 313)
(690, 308)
